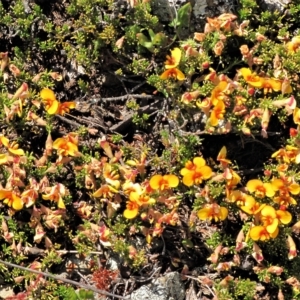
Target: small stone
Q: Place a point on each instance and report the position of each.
(168, 287)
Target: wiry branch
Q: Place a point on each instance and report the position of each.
(82, 285)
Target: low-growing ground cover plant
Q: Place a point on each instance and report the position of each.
(154, 145)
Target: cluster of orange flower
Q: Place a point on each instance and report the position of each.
(230, 97)
(52, 106)
(265, 218)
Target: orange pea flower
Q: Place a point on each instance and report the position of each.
(232, 178)
(251, 78)
(197, 162)
(159, 182)
(136, 200)
(269, 218)
(293, 154)
(260, 189)
(11, 199)
(213, 212)
(132, 210)
(195, 172)
(285, 200)
(252, 207)
(29, 197)
(129, 186)
(111, 175)
(261, 233)
(271, 84)
(55, 193)
(65, 107)
(105, 191)
(283, 154)
(49, 100)
(141, 198)
(218, 93)
(217, 113)
(222, 157)
(12, 147)
(240, 198)
(173, 60)
(285, 186)
(65, 146)
(284, 216)
(172, 73)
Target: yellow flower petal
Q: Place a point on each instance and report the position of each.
(268, 211)
(257, 233)
(134, 197)
(19, 152)
(4, 140)
(180, 75)
(284, 216)
(174, 60)
(206, 172)
(47, 94)
(17, 203)
(184, 171)
(223, 213)
(172, 180)
(204, 213)
(46, 197)
(155, 181)
(60, 203)
(269, 190)
(245, 72)
(52, 109)
(130, 214)
(188, 179)
(172, 73)
(57, 143)
(199, 162)
(294, 188)
(253, 184)
(275, 233)
(3, 159)
(273, 226)
(277, 184)
(296, 115)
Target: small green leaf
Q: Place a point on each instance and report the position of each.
(145, 42)
(159, 39)
(152, 34)
(183, 17)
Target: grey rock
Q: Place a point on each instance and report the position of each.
(168, 287)
(163, 9)
(274, 5)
